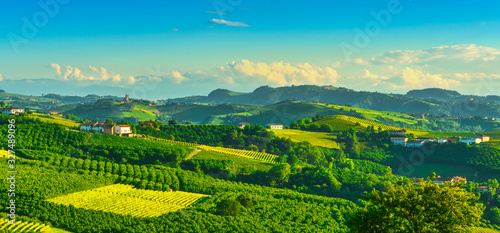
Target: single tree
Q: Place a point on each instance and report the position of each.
(425, 207)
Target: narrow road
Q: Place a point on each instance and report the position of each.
(192, 155)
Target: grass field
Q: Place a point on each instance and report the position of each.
(56, 120)
(126, 200)
(315, 138)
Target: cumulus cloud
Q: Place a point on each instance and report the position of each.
(463, 52)
(279, 73)
(360, 61)
(413, 78)
(178, 78)
(229, 23)
(100, 76)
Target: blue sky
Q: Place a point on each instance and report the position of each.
(192, 47)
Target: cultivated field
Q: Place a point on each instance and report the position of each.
(315, 138)
(21, 226)
(56, 120)
(126, 200)
(263, 157)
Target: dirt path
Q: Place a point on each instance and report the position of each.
(89, 139)
(192, 155)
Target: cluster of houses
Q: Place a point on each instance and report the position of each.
(11, 110)
(270, 125)
(101, 127)
(418, 142)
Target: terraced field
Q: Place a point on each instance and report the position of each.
(373, 114)
(263, 157)
(21, 226)
(315, 138)
(343, 123)
(484, 230)
(127, 200)
(56, 120)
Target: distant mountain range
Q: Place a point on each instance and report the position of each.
(433, 100)
(437, 101)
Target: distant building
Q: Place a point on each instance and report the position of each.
(485, 138)
(471, 140)
(54, 113)
(122, 130)
(398, 132)
(109, 129)
(399, 140)
(275, 126)
(243, 124)
(414, 143)
(95, 125)
(126, 99)
(150, 123)
(11, 110)
(427, 139)
(483, 189)
(440, 180)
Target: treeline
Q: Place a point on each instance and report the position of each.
(35, 135)
(273, 210)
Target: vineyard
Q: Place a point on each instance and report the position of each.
(126, 200)
(484, 230)
(21, 226)
(342, 123)
(315, 138)
(264, 157)
(56, 120)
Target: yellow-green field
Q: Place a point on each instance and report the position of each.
(56, 120)
(4, 153)
(343, 123)
(373, 114)
(263, 157)
(21, 226)
(127, 200)
(484, 230)
(315, 138)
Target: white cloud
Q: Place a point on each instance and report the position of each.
(360, 61)
(463, 52)
(412, 79)
(178, 78)
(279, 73)
(1, 77)
(229, 23)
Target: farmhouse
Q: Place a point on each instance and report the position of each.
(485, 138)
(483, 189)
(151, 123)
(471, 140)
(398, 132)
(427, 139)
(414, 143)
(399, 140)
(275, 126)
(122, 130)
(440, 180)
(243, 124)
(11, 110)
(96, 125)
(54, 113)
